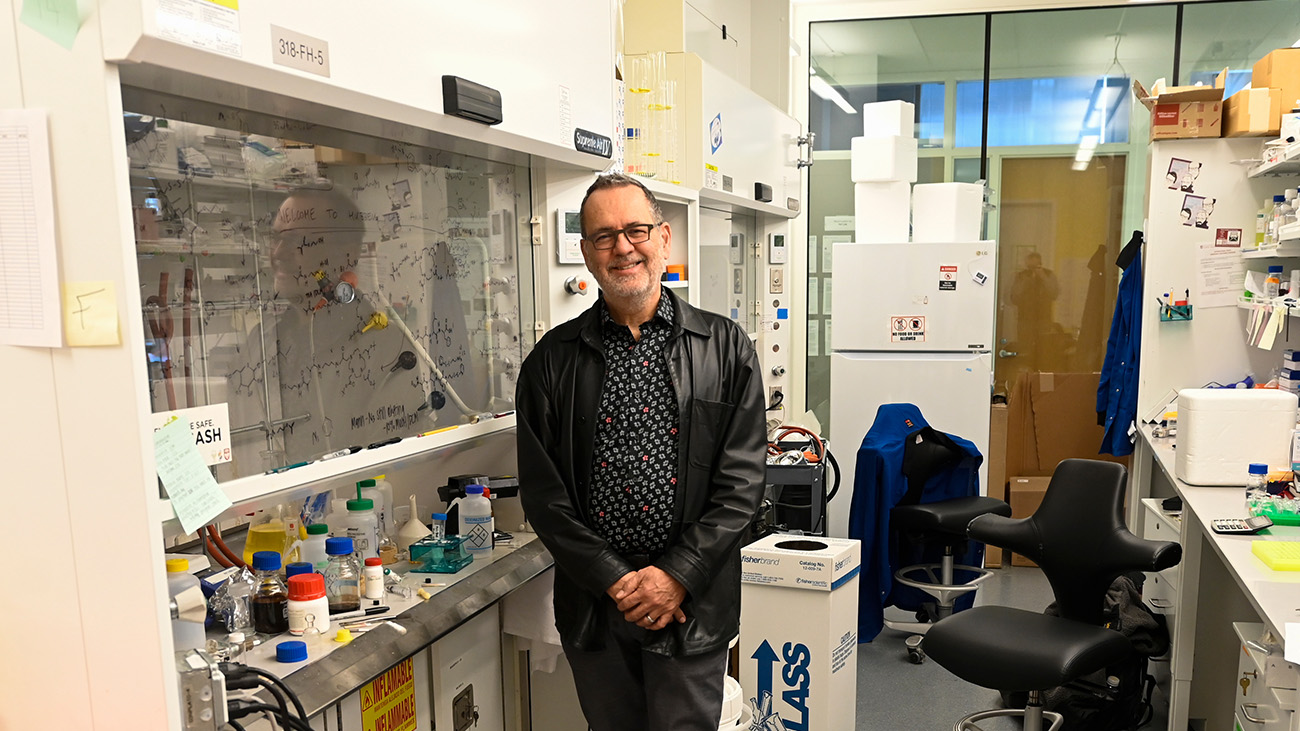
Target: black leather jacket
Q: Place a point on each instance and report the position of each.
(715, 371)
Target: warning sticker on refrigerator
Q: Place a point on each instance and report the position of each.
(947, 278)
(907, 328)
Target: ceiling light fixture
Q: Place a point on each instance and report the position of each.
(818, 86)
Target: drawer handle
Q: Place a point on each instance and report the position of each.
(1159, 603)
(1246, 714)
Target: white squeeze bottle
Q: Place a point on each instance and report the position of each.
(363, 528)
(312, 548)
(476, 523)
(185, 635)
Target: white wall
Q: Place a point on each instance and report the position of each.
(83, 647)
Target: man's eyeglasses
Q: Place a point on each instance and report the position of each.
(637, 233)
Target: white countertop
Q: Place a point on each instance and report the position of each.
(1275, 595)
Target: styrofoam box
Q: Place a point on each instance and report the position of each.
(887, 119)
(881, 212)
(1222, 430)
(799, 628)
(947, 212)
(883, 159)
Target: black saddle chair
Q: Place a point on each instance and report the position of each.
(1079, 539)
(938, 524)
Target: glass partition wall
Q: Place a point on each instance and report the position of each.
(1058, 137)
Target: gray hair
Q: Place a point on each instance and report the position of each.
(618, 180)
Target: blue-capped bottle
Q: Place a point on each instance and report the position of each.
(1257, 499)
(342, 577)
(270, 599)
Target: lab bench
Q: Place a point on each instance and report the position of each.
(460, 614)
(1218, 583)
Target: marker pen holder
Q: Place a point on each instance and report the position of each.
(1175, 313)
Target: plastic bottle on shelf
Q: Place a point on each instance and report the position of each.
(270, 597)
(307, 605)
(372, 579)
(1261, 221)
(1270, 233)
(384, 509)
(362, 526)
(185, 635)
(1273, 282)
(476, 523)
(342, 577)
(1257, 499)
(380, 493)
(312, 549)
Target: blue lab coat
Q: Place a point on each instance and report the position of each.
(879, 485)
(1117, 393)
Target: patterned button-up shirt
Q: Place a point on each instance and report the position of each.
(634, 470)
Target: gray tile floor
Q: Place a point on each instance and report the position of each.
(895, 695)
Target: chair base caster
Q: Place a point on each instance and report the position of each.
(915, 654)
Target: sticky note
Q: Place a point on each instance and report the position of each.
(90, 314)
(196, 497)
(57, 20)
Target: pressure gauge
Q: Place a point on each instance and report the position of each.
(344, 292)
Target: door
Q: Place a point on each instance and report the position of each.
(1059, 234)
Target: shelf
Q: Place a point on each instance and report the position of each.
(1174, 521)
(669, 191)
(219, 181)
(678, 284)
(1247, 304)
(257, 491)
(184, 246)
(733, 201)
(1287, 163)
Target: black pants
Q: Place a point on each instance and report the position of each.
(623, 688)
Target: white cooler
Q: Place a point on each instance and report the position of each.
(799, 629)
(1222, 430)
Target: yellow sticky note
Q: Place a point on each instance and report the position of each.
(90, 313)
(58, 20)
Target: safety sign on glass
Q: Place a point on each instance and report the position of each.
(947, 278)
(388, 702)
(907, 328)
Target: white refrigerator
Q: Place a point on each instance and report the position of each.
(913, 323)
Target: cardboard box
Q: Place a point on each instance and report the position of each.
(1253, 113)
(1279, 70)
(997, 462)
(1051, 417)
(1183, 112)
(799, 628)
(1026, 495)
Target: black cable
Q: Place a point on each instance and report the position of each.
(238, 669)
(249, 681)
(836, 466)
(279, 697)
(289, 722)
(235, 725)
(777, 400)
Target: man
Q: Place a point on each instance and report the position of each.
(641, 442)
